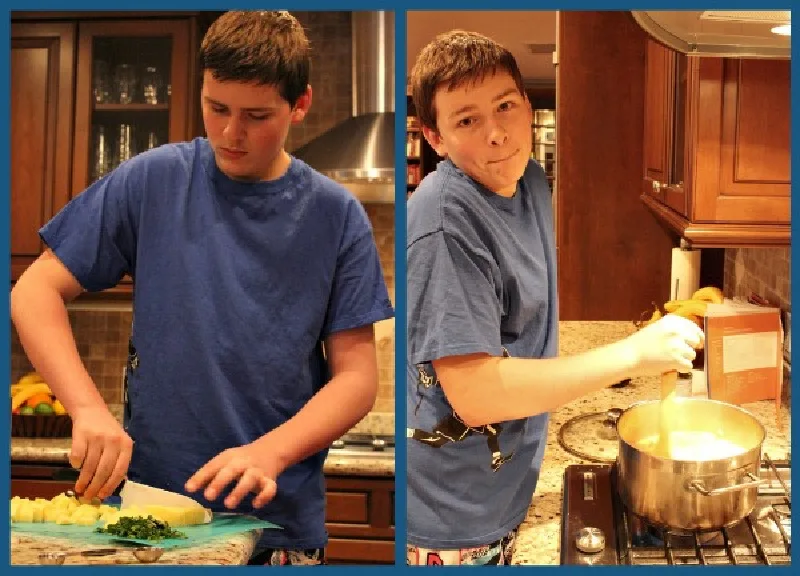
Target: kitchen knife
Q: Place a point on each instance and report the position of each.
(136, 494)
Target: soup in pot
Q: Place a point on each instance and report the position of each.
(694, 446)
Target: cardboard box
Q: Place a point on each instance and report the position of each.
(743, 352)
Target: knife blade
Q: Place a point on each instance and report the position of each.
(137, 494)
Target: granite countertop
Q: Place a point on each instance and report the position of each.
(233, 550)
(538, 541)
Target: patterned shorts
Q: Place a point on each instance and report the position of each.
(495, 554)
(273, 557)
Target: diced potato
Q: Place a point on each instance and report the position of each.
(84, 519)
(64, 518)
(38, 510)
(51, 513)
(25, 511)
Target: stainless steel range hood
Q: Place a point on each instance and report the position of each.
(359, 152)
(726, 33)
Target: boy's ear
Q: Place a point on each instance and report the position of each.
(301, 106)
(435, 140)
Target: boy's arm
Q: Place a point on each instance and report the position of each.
(484, 389)
(336, 408)
(100, 447)
(339, 405)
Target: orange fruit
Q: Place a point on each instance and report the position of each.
(37, 399)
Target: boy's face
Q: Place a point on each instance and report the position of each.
(247, 125)
(484, 127)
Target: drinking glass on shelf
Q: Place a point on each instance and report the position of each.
(125, 83)
(126, 146)
(152, 140)
(152, 86)
(101, 153)
(101, 83)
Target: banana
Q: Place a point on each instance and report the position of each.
(656, 316)
(690, 308)
(30, 377)
(19, 398)
(672, 305)
(28, 380)
(710, 294)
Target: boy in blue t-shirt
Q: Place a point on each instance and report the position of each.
(483, 370)
(257, 282)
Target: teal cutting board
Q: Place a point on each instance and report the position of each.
(222, 525)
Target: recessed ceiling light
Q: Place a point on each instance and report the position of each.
(784, 30)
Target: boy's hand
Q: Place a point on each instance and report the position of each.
(667, 344)
(101, 450)
(245, 464)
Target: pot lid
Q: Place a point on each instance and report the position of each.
(592, 436)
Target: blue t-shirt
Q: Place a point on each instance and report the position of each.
(236, 285)
(481, 279)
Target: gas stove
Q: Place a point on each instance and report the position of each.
(596, 529)
(364, 445)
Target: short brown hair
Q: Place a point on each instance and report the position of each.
(450, 60)
(258, 46)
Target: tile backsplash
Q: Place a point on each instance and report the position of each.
(765, 271)
(102, 339)
(382, 218)
(330, 36)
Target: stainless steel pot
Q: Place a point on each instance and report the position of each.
(690, 494)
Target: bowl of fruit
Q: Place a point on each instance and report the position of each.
(35, 411)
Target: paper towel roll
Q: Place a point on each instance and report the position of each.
(685, 277)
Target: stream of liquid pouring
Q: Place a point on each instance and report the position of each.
(667, 414)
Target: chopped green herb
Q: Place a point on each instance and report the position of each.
(141, 528)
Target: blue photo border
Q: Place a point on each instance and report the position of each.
(399, 6)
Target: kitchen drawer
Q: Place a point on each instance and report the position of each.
(360, 520)
(39, 488)
(349, 551)
(347, 507)
(36, 480)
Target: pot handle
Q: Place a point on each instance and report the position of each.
(612, 415)
(699, 486)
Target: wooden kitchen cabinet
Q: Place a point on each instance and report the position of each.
(664, 146)
(42, 75)
(132, 95)
(40, 480)
(88, 93)
(360, 520)
(717, 147)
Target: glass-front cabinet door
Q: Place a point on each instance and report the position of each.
(131, 95)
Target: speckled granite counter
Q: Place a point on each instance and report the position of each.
(233, 550)
(538, 541)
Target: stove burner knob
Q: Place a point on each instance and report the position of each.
(590, 540)
(338, 443)
(378, 444)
